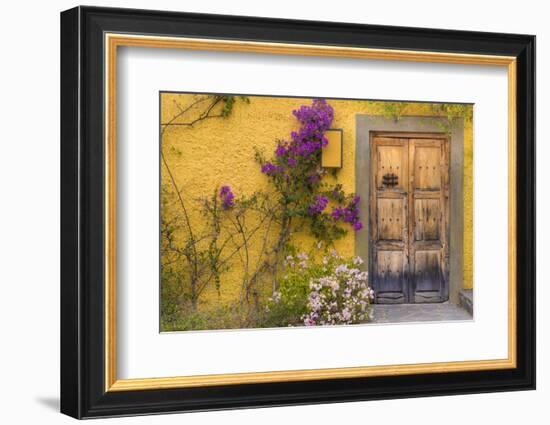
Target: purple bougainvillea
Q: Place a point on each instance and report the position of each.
(296, 173)
(270, 169)
(319, 205)
(314, 120)
(227, 197)
(349, 213)
(357, 225)
(308, 139)
(281, 150)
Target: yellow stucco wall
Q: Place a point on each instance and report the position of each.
(468, 205)
(221, 151)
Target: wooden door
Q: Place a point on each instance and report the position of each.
(409, 196)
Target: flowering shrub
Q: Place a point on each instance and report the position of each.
(287, 305)
(333, 291)
(296, 174)
(341, 297)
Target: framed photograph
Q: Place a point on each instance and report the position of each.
(261, 212)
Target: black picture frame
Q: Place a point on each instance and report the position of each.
(82, 218)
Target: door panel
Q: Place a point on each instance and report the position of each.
(408, 218)
(428, 198)
(427, 166)
(428, 215)
(390, 158)
(427, 269)
(391, 269)
(391, 219)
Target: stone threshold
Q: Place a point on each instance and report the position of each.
(430, 312)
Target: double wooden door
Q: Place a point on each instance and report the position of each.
(409, 217)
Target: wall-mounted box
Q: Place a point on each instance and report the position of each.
(331, 156)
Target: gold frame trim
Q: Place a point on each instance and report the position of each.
(113, 41)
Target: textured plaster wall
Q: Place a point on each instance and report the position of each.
(221, 151)
(468, 205)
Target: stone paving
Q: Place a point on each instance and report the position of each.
(437, 312)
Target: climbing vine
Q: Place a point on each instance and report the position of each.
(304, 199)
(191, 259)
(450, 112)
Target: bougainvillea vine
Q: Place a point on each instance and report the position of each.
(227, 197)
(296, 172)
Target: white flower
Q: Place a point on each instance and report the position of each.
(357, 260)
(302, 256)
(342, 268)
(340, 296)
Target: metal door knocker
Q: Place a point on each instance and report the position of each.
(390, 180)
